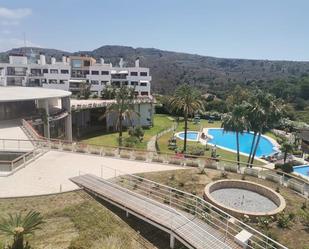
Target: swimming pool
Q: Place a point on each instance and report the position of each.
(191, 135)
(227, 140)
(302, 170)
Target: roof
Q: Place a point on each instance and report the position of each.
(16, 93)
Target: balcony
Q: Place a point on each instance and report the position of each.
(16, 73)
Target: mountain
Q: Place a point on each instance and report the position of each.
(170, 69)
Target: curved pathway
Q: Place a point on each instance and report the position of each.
(51, 172)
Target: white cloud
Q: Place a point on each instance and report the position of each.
(7, 44)
(13, 16)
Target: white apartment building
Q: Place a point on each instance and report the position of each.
(71, 72)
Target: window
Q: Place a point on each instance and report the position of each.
(135, 93)
(143, 84)
(133, 73)
(134, 83)
(143, 73)
(43, 80)
(105, 72)
(76, 63)
(104, 82)
(144, 93)
(54, 71)
(95, 82)
(64, 71)
(45, 70)
(86, 63)
(95, 72)
(125, 83)
(52, 81)
(62, 81)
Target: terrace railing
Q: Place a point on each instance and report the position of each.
(8, 167)
(299, 184)
(192, 206)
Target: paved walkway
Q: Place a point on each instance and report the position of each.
(51, 172)
(12, 130)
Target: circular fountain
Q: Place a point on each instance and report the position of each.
(240, 198)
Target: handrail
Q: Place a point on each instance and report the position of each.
(192, 157)
(202, 201)
(173, 210)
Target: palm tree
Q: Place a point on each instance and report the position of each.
(18, 226)
(186, 100)
(235, 122)
(123, 109)
(263, 113)
(286, 147)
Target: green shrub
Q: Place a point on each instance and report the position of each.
(297, 152)
(197, 150)
(136, 132)
(283, 220)
(264, 222)
(130, 141)
(285, 167)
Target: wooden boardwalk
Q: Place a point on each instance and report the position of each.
(191, 231)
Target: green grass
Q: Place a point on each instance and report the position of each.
(163, 141)
(73, 220)
(161, 122)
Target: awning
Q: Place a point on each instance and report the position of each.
(144, 81)
(123, 72)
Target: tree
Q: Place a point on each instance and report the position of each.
(18, 226)
(286, 148)
(264, 111)
(84, 90)
(123, 109)
(236, 122)
(188, 101)
(108, 92)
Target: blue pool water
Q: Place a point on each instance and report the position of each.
(302, 169)
(191, 135)
(228, 140)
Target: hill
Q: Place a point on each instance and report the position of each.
(170, 69)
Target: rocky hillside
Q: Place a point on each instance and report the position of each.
(170, 69)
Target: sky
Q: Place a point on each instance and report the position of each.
(253, 29)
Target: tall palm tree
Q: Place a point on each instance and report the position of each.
(123, 109)
(18, 226)
(235, 122)
(286, 147)
(186, 100)
(264, 113)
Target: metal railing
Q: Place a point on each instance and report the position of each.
(191, 206)
(297, 183)
(169, 217)
(8, 167)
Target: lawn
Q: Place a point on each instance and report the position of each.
(295, 236)
(163, 141)
(77, 221)
(161, 122)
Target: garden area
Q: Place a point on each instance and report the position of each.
(290, 228)
(77, 221)
(196, 147)
(160, 123)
